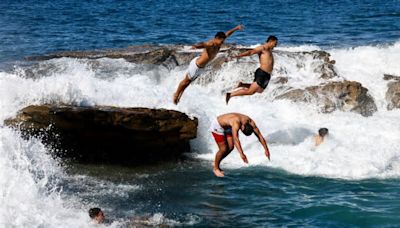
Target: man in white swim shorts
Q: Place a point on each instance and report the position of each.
(196, 66)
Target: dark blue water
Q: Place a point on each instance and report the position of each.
(187, 192)
(37, 27)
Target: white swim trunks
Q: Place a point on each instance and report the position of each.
(193, 70)
(219, 133)
(217, 129)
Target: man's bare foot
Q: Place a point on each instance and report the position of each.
(176, 98)
(227, 97)
(222, 171)
(218, 172)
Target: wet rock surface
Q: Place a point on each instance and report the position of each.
(389, 77)
(342, 95)
(393, 95)
(109, 134)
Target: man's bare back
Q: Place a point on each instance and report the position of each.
(231, 119)
(208, 54)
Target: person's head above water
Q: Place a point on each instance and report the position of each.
(96, 214)
(247, 129)
(272, 41)
(220, 38)
(323, 132)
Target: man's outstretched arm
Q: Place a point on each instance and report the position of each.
(254, 51)
(202, 45)
(230, 32)
(260, 138)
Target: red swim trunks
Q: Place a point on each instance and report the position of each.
(221, 138)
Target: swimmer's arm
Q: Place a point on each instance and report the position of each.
(260, 137)
(254, 51)
(236, 141)
(230, 32)
(202, 45)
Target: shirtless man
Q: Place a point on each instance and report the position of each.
(196, 66)
(319, 138)
(97, 215)
(262, 74)
(225, 130)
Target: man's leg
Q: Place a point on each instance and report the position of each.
(254, 88)
(224, 148)
(242, 84)
(229, 140)
(223, 151)
(181, 88)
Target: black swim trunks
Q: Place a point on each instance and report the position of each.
(262, 78)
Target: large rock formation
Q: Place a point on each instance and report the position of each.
(343, 95)
(109, 134)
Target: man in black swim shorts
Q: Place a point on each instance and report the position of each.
(262, 74)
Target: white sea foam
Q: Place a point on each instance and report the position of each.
(357, 148)
(29, 193)
(367, 64)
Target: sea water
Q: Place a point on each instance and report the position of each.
(350, 180)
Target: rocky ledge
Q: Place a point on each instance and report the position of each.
(340, 95)
(109, 134)
(172, 56)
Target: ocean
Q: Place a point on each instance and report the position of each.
(351, 180)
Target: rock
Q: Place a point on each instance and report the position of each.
(109, 134)
(343, 95)
(171, 56)
(393, 95)
(280, 80)
(388, 77)
(326, 68)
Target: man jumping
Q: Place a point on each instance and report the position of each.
(225, 130)
(262, 74)
(196, 66)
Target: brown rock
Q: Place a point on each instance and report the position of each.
(344, 96)
(109, 134)
(393, 95)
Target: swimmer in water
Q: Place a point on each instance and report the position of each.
(319, 138)
(97, 215)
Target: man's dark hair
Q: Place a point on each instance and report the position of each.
(248, 129)
(272, 38)
(220, 35)
(323, 131)
(93, 212)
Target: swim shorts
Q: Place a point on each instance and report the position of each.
(262, 78)
(193, 70)
(219, 133)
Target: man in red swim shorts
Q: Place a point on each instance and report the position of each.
(225, 130)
